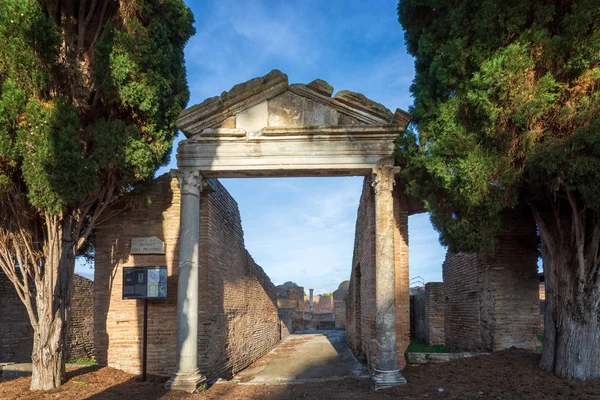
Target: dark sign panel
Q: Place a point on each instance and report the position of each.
(144, 282)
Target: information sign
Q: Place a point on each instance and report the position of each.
(144, 282)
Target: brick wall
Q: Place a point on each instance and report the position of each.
(80, 335)
(16, 334)
(434, 313)
(238, 320)
(491, 301)
(321, 304)
(339, 305)
(360, 318)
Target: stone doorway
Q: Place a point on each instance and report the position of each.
(267, 127)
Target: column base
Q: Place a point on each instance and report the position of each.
(186, 381)
(387, 379)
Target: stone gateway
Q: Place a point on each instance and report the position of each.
(221, 312)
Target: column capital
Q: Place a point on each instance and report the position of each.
(384, 175)
(190, 180)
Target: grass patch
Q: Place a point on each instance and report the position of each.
(84, 361)
(419, 346)
(80, 383)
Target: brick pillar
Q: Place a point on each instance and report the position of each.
(187, 376)
(385, 370)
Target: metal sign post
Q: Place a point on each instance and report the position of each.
(144, 283)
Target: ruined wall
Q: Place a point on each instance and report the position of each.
(434, 313)
(238, 319)
(321, 304)
(80, 335)
(339, 305)
(16, 334)
(360, 328)
(462, 329)
(492, 301)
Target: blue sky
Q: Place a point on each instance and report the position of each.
(302, 229)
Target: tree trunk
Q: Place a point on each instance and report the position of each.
(577, 346)
(571, 327)
(48, 355)
(53, 300)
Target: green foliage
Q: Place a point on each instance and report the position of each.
(66, 137)
(507, 107)
(84, 361)
(419, 346)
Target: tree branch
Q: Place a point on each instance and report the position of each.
(545, 233)
(579, 237)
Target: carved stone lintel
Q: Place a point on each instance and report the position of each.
(190, 181)
(384, 175)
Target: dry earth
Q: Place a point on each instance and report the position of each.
(510, 374)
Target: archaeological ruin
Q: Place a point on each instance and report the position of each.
(219, 312)
(222, 312)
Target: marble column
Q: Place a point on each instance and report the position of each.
(310, 301)
(385, 369)
(187, 376)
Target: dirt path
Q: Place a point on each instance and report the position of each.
(510, 374)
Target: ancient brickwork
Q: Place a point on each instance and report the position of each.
(401, 273)
(287, 325)
(434, 313)
(16, 334)
(360, 318)
(321, 304)
(462, 291)
(492, 301)
(80, 335)
(339, 305)
(238, 320)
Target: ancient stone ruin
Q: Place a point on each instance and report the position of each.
(222, 312)
(264, 127)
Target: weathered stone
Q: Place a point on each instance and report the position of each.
(290, 151)
(254, 118)
(287, 109)
(212, 112)
(228, 123)
(319, 85)
(346, 120)
(310, 105)
(360, 100)
(317, 114)
(437, 358)
(401, 118)
(147, 245)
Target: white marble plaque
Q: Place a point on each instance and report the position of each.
(147, 245)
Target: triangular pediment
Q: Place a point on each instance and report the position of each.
(271, 102)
